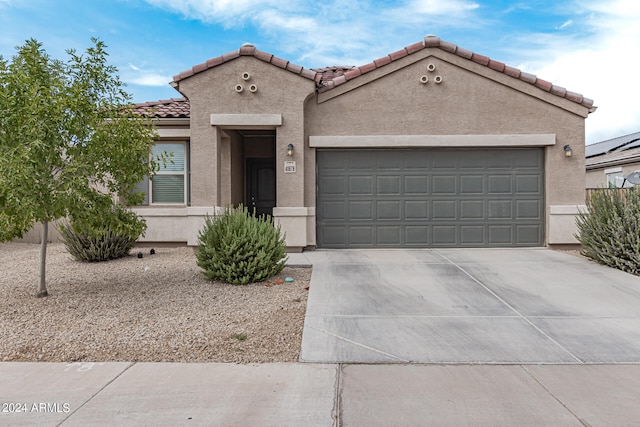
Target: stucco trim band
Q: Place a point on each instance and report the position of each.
(173, 133)
(246, 120)
(408, 141)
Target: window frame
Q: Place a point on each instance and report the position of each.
(185, 173)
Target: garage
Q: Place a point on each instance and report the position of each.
(430, 198)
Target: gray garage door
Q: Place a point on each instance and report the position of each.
(430, 198)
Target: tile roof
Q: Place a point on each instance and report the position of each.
(615, 144)
(173, 108)
(330, 77)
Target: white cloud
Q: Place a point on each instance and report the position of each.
(145, 77)
(151, 79)
(565, 24)
(601, 65)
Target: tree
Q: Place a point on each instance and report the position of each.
(70, 141)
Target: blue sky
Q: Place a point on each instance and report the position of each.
(586, 46)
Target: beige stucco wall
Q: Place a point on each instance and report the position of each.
(471, 99)
(597, 177)
(280, 92)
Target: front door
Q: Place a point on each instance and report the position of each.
(261, 185)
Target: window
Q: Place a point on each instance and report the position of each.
(169, 185)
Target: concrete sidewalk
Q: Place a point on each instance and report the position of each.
(297, 394)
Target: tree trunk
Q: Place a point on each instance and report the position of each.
(42, 289)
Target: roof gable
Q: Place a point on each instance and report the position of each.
(331, 77)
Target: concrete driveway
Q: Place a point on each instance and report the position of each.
(501, 306)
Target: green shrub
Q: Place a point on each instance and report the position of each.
(610, 231)
(102, 237)
(236, 247)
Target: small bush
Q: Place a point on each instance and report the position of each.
(238, 248)
(610, 231)
(103, 237)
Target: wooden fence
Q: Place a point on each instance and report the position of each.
(622, 192)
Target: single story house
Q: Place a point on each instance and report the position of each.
(609, 163)
(430, 146)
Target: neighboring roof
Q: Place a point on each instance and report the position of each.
(173, 108)
(330, 77)
(613, 158)
(620, 143)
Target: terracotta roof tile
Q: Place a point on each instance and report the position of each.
(166, 109)
(351, 74)
(543, 84)
(558, 90)
(398, 54)
(527, 77)
(449, 47)
(480, 59)
(413, 48)
(279, 62)
(381, 62)
(330, 77)
(294, 68)
(248, 50)
(496, 65)
(263, 56)
(465, 53)
(512, 72)
(431, 41)
(367, 67)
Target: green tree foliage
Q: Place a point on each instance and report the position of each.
(236, 247)
(69, 140)
(610, 231)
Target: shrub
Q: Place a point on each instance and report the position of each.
(610, 231)
(102, 237)
(236, 247)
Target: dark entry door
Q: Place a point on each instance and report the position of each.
(261, 185)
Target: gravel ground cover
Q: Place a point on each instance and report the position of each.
(156, 309)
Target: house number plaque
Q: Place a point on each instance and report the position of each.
(290, 166)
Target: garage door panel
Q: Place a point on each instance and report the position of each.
(472, 235)
(499, 184)
(389, 235)
(501, 160)
(444, 184)
(471, 209)
(500, 209)
(360, 185)
(334, 210)
(416, 185)
(444, 235)
(531, 233)
(528, 184)
(389, 210)
(361, 235)
(387, 185)
(417, 235)
(430, 198)
(472, 184)
(416, 210)
(529, 209)
(331, 185)
(499, 234)
(444, 209)
(361, 210)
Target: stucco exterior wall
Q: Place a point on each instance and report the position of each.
(597, 177)
(471, 99)
(279, 92)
